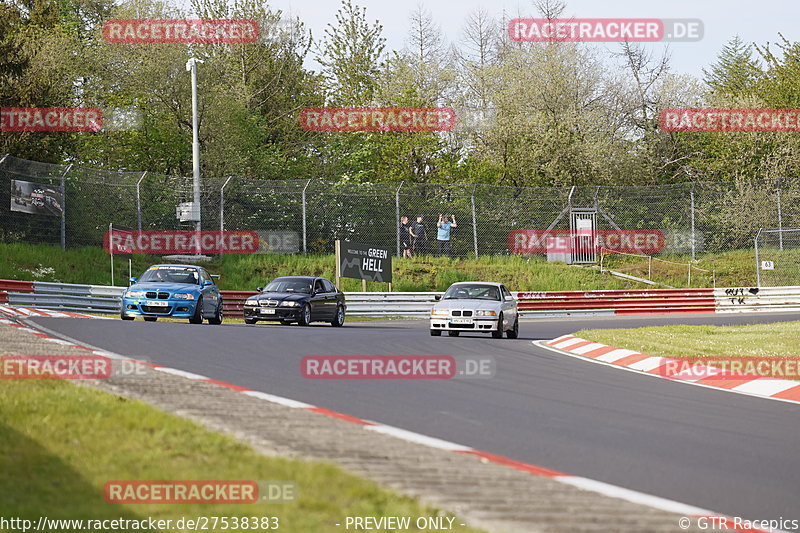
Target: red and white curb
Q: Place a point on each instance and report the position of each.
(765, 387)
(583, 483)
(12, 312)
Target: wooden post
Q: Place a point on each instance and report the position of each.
(363, 285)
(338, 271)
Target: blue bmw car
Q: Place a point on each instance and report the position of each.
(177, 291)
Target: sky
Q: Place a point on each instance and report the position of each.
(758, 22)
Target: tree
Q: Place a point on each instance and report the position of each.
(736, 70)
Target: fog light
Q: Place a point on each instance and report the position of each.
(131, 307)
(183, 309)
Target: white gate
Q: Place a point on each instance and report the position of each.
(583, 233)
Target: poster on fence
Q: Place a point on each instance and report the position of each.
(36, 199)
(361, 261)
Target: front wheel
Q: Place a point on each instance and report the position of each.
(513, 333)
(498, 334)
(338, 320)
(249, 320)
(123, 316)
(197, 318)
(305, 315)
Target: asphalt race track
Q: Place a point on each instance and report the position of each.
(718, 450)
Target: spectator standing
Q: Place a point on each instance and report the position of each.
(405, 236)
(420, 236)
(445, 227)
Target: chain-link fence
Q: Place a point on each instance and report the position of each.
(688, 218)
(778, 257)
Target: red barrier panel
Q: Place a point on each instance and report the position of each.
(10, 285)
(621, 302)
(233, 301)
(615, 294)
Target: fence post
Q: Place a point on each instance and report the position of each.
(474, 221)
(3, 159)
(694, 245)
(139, 203)
(222, 204)
(780, 217)
(758, 265)
(397, 215)
(64, 208)
(305, 243)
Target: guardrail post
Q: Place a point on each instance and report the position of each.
(474, 220)
(139, 203)
(64, 208)
(305, 241)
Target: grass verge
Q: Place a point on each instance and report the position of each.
(61, 443)
(755, 340)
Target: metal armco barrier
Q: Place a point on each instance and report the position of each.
(105, 299)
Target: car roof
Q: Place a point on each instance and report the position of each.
(296, 277)
(488, 283)
(174, 266)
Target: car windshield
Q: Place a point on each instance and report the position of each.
(472, 292)
(289, 285)
(170, 275)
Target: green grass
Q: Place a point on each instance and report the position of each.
(246, 272)
(60, 444)
(757, 340)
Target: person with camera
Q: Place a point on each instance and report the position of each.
(443, 232)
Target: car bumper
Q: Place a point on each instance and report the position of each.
(476, 324)
(273, 313)
(175, 308)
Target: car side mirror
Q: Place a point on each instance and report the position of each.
(437, 297)
(132, 280)
(207, 282)
(259, 289)
(509, 298)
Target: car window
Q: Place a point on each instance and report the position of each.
(205, 275)
(288, 285)
(472, 292)
(158, 274)
(329, 287)
(319, 287)
(506, 292)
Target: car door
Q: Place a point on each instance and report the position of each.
(210, 293)
(331, 299)
(509, 306)
(319, 310)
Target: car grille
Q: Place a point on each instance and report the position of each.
(160, 295)
(158, 310)
(462, 326)
(458, 312)
(269, 303)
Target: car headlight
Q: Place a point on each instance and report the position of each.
(251, 303)
(290, 303)
(183, 296)
(440, 312)
(134, 294)
(485, 313)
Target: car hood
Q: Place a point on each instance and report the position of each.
(280, 296)
(163, 286)
(467, 304)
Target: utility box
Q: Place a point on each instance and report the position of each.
(188, 212)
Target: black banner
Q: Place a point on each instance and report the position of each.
(361, 261)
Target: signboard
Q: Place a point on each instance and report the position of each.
(35, 198)
(361, 261)
(767, 265)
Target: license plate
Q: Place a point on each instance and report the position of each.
(462, 321)
(157, 304)
(265, 311)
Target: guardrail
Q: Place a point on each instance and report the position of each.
(105, 299)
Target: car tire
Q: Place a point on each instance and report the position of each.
(498, 334)
(304, 318)
(197, 318)
(338, 319)
(513, 333)
(218, 316)
(150, 318)
(436, 333)
(250, 321)
(453, 333)
(123, 316)
(286, 322)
